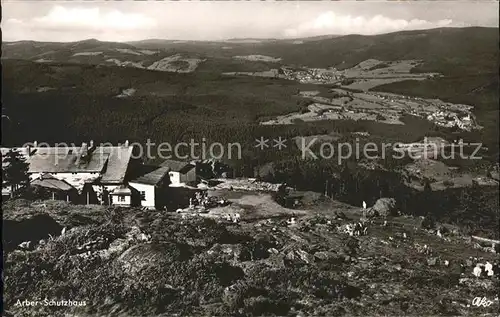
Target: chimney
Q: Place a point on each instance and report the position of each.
(126, 143)
(84, 150)
(28, 149)
(91, 148)
(35, 144)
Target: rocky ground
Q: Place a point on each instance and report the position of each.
(125, 262)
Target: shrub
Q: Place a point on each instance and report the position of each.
(448, 183)
(347, 81)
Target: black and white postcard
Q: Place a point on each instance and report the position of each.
(250, 158)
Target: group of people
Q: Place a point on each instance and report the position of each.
(200, 199)
(486, 269)
(356, 229)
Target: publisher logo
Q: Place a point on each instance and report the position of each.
(481, 302)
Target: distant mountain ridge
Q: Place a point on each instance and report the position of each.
(444, 49)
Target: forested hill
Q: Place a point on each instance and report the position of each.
(77, 84)
(451, 51)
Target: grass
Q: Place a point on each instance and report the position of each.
(206, 267)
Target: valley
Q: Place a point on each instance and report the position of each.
(250, 158)
(355, 96)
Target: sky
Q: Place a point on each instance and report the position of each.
(64, 21)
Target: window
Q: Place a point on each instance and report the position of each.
(143, 195)
(121, 199)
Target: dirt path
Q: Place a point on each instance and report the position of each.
(256, 206)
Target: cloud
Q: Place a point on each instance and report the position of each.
(331, 23)
(94, 19)
(69, 24)
(193, 20)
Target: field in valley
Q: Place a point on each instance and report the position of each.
(351, 99)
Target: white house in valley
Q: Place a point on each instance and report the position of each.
(152, 186)
(95, 172)
(181, 173)
(108, 175)
(122, 196)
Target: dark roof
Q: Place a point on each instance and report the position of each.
(70, 163)
(118, 162)
(154, 177)
(111, 161)
(49, 182)
(178, 166)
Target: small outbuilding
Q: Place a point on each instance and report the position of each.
(152, 187)
(180, 173)
(122, 196)
(49, 187)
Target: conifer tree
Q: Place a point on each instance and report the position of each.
(14, 171)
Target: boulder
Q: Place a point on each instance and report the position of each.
(494, 175)
(304, 256)
(33, 228)
(230, 252)
(384, 207)
(116, 247)
(141, 256)
(300, 256)
(324, 255)
(327, 256)
(432, 261)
